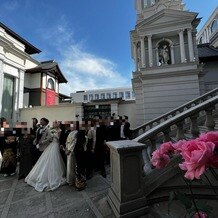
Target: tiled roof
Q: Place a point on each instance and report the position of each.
(49, 66)
(207, 52)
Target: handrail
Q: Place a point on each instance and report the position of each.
(176, 119)
(181, 108)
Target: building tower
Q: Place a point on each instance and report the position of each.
(167, 70)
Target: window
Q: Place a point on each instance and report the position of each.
(102, 95)
(108, 95)
(121, 95)
(147, 3)
(90, 97)
(133, 94)
(96, 96)
(85, 97)
(51, 84)
(127, 94)
(214, 26)
(114, 94)
(200, 41)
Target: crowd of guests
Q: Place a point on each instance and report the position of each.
(69, 152)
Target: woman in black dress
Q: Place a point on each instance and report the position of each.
(25, 147)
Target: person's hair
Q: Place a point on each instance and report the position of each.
(35, 119)
(45, 120)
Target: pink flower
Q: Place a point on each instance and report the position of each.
(209, 137)
(202, 215)
(159, 160)
(166, 148)
(179, 146)
(197, 155)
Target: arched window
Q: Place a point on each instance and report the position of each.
(214, 26)
(51, 84)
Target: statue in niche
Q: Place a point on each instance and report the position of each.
(164, 55)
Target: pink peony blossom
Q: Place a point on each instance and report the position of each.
(202, 215)
(179, 146)
(159, 160)
(197, 156)
(166, 148)
(209, 137)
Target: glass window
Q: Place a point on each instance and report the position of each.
(108, 95)
(90, 97)
(121, 95)
(133, 94)
(102, 95)
(85, 97)
(127, 94)
(51, 84)
(114, 94)
(214, 26)
(96, 96)
(147, 3)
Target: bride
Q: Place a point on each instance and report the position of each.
(49, 171)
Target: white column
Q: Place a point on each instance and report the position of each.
(190, 45)
(150, 55)
(172, 54)
(1, 83)
(182, 46)
(135, 53)
(143, 51)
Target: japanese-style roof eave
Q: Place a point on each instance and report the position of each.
(29, 48)
(207, 52)
(49, 66)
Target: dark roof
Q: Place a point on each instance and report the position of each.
(207, 52)
(49, 66)
(29, 48)
(63, 96)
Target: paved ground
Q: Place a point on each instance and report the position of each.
(17, 199)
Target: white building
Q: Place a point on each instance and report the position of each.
(24, 81)
(15, 58)
(124, 93)
(209, 32)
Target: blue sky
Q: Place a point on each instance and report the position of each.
(88, 38)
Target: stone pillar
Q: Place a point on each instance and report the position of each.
(1, 83)
(157, 57)
(126, 195)
(182, 46)
(172, 54)
(135, 53)
(150, 55)
(143, 51)
(190, 46)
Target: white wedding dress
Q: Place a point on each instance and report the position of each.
(49, 171)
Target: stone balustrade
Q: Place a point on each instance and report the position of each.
(130, 159)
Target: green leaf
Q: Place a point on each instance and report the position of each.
(184, 199)
(172, 196)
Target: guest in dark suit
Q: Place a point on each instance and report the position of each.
(65, 131)
(126, 130)
(101, 137)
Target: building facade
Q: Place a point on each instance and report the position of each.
(124, 93)
(167, 70)
(209, 32)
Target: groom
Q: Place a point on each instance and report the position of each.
(43, 138)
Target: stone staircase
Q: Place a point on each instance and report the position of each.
(152, 186)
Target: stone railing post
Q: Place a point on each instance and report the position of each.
(180, 131)
(126, 195)
(210, 123)
(194, 126)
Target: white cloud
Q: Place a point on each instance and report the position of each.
(82, 69)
